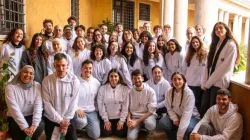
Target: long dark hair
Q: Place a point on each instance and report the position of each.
(183, 86)
(100, 46)
(133, 56)
(9, 37)
(94, 40)
(163, 48)
(215, 40)
(120, 77)
(178, 46)
(146, 54)
(118, 51)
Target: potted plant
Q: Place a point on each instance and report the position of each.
(6, 74)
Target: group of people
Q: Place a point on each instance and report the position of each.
(119, 83)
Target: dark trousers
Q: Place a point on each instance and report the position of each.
(49, 128)
(198, 95)
(17, 134)
(118, 133)
(208, 99)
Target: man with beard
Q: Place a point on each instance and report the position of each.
(142, 107)
(68, 36)
(221, 122)
(47, 29)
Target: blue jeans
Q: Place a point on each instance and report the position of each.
(170, 129)
(150, 124)
(91, 122)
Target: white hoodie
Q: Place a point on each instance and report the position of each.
(60, 97)
(227, 127)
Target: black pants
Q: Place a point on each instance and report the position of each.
(198, 95)
(17, 134)
(118, 133)
(49, 128)
(208, 99)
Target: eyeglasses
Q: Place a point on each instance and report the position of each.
(171, 44)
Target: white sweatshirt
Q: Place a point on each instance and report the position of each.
(22, 103)
(68, 42)
(87, 94)
(101, 70)
(7, 51)
(160, 89)
(77, 61)
(120, 64)
(195, 72)
(120, 41)
(50, 64)
(224, 67)
(113, 102)
(137, 65)
(184, 112)
(60, 97)
(174, 63)
(227, 127)
(141, 102)
(139, 47)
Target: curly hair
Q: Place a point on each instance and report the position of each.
(146, 54)
(201, 52)
(96, 46)
(9, 37)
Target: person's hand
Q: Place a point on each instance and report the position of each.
(43, 31)
(120, 125)
(195, 136)
(176, 123)
(27, 131)
(32, 129)
(132, 124)
(81, 113)
(64, 131)
(107, 126)
(203, 88)
(64, 124)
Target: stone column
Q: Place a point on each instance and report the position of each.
(221, 15)
(239, 28)
(246, 32)
(180, 20)
(247, 78)
(161, 12)
(206, 12)
(235, 26)
(226, 17)
(169, 13)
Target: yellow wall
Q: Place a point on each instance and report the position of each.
(38, 10)
(190, 18)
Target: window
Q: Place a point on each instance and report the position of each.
(123, 12)
(75, 9)
(144, 12)
(11, 15)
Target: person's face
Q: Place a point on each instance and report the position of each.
(113, 37)
(223, 103)
(104, 29)
(58, 32)
(80, 32)
(171, 46)
(67, 32)
(127, 36)
(160, 41)
(27, 75)
(56, 46)
(220, 30)
(114, 47)
(80, 43)
(61, 67)
(98, 36)
(87, 70)
(177, 81)
(195, 44)
(190, 34)
(136, 35)
(114, 79)
(151, 48)
(137, 80)
(38, 41)
(157, 74)
(48, 27)
(146, 27)
(144, 39)
(72, 23)
(119, 28)
(199, 31)
(158, 31)
(18, 35)
(90, 34)
(98, 53)
(167, 30)
(129, 49)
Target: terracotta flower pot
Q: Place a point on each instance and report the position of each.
(3, 135)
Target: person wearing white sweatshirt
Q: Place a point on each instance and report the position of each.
(222, 57)
(142, 107)
(113, 101)
(160, 86)
(194, 67)
(182, 114)
(221, 122)
(24, 105)
(86, 114)
(60, 97)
